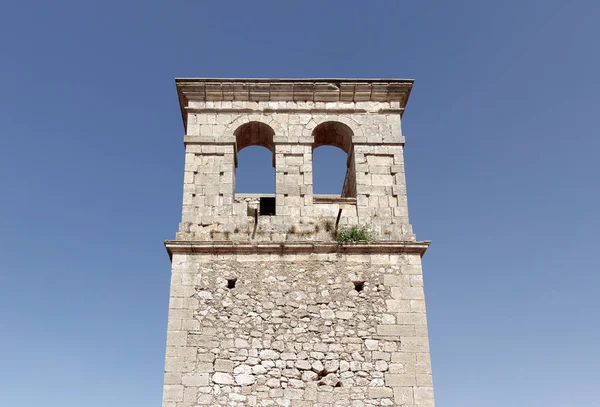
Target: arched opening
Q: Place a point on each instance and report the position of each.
(255, 134)
(329, 170)
(254, 173)
(255, 165)
(333, 160)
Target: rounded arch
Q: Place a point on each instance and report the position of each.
(254, 134)
(250, 118)
(333, 134)
(316, 121)
(340, 135)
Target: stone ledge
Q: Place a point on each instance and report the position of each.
(309, 141)
(225, 110)
(333, 199)
(227, 247)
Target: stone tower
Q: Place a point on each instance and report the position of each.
(266, 308)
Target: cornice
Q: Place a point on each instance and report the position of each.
(228, 247)
(292, 90)
(316, 90)
(286, 110)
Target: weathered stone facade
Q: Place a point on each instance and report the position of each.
(266, 309)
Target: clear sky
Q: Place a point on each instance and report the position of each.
(502, 145)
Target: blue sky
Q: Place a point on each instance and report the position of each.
(502, 168)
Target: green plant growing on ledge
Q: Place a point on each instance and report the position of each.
(354, 234)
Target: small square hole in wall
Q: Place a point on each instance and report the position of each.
(359, 285)
(193, 195)
(231, 283)
(266, 206)
(221, 173)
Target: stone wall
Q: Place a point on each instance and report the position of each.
(369, 132)
(295, 331)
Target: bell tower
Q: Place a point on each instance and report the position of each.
(294, 298)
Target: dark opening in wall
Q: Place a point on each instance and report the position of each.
(359, 285)
(266, 206)
(231, 282)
